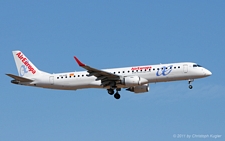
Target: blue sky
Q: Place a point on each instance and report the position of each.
(108, 34)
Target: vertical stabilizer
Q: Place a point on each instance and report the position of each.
(24, 66)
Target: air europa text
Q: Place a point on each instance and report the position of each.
(26, 62)
(141, 68)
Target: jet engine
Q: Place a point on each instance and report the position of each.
(139, 89)
(130, 81)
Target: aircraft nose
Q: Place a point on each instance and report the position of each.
(207, 72)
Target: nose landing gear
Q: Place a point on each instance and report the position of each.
(189, 82)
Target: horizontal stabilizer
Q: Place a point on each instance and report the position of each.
(18, 78)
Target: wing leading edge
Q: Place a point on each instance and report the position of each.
(106, 78)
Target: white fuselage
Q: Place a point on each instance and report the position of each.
(152, 73)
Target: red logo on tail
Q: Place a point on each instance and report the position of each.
(26, 62)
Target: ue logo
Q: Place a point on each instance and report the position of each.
(23, 69)
(164, 70)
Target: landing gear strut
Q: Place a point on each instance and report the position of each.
(189, 82)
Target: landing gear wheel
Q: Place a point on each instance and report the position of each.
(111, 91)
(117, 96)
(189, 82)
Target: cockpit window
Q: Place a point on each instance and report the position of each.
(196, 65)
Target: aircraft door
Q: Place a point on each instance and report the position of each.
(185, 68)
(51, 80)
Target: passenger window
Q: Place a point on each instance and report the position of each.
(128, 71)
(178, 66)
(57, 77)
(123, 71)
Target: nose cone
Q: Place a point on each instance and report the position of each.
(207, 72)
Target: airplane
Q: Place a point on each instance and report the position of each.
(134, 79)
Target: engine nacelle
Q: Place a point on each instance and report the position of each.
(15, 81)
(130, 81)
(139, 89)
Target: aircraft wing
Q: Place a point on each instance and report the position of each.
(105, 77)
(21, 79)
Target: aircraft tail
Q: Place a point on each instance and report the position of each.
(24, 66)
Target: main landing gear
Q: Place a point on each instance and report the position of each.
(116, 95)
(111, 91)
(189, 82)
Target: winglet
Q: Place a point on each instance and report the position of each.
(79, 62)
